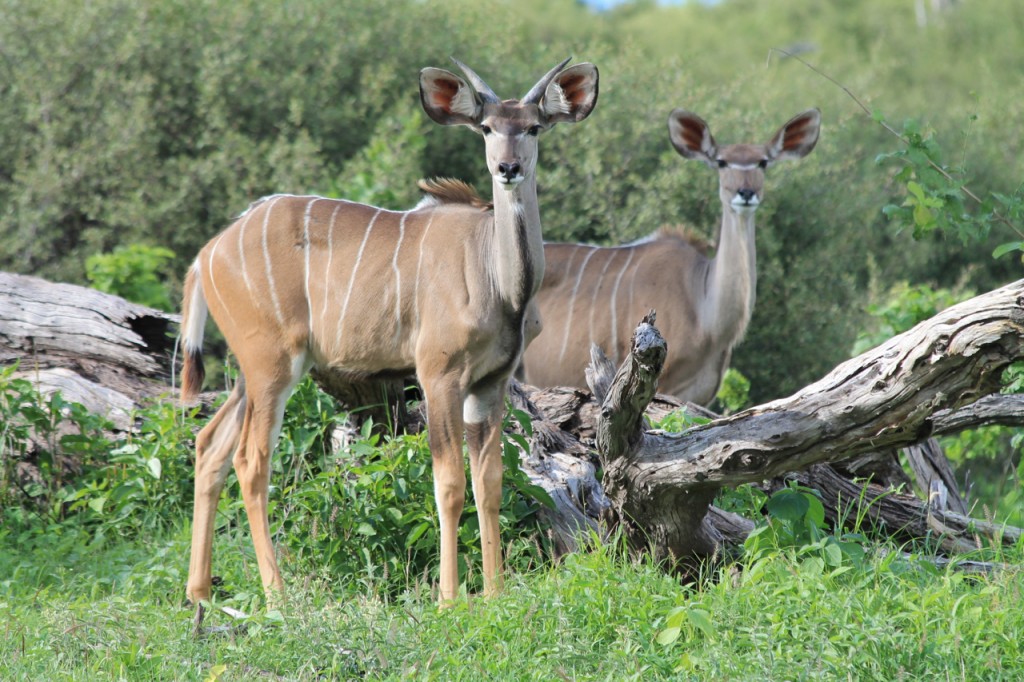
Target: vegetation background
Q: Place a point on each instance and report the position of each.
(157, 122)
(133, 131)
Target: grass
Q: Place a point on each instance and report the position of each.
(113, 610)
(92, 579)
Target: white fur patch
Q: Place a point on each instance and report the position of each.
(555, 101)
(464, 103)
(192, 334)
(474, 411)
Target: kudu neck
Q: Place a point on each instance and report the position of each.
(732, 281)
(518, 256)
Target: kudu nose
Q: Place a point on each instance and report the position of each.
(510, 170)
(747, 195)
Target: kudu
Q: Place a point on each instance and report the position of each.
(443, 290)
(597, 294)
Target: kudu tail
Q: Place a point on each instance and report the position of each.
(193, 321)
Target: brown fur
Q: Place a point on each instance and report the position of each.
(452, 191)
(687, 235)
(302, 282)
(704, 301)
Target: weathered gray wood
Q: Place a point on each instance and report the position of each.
(661, 488)
(992, 410)
(900, 515)
(95, 348)
(934, 475)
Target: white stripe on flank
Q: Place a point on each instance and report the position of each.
(593, 297)
(419, 263)
(613, 351)
(398, 278)
(572, 302)
(327, 270)
(305, 248)
(355, 270)
(216, 291)
(266, 261)
(241, 258)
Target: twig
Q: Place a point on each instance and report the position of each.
(964, 188)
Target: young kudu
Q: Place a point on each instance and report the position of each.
(597, 295)
(443, 289)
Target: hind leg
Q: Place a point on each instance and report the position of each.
(214, 446)
(264, 412)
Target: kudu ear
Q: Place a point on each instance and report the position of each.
(691, 137)
(797, 138)
(448, 99)
(571, 95)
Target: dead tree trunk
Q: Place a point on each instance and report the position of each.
(660, 486)
(96, 349)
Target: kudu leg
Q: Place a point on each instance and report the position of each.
(214, 446)
(263, 415)
(483, 412)
(444, 433)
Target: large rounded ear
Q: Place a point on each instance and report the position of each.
(692, 137)
(571, 95)
(797, 138)
(448, 99)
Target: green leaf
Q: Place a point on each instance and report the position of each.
(416, 534)
(1004, 249)
(97, 503)
(788, 505)
(916, 189)
(701, 620)
(815, 510)
(675, 617)
(366, 529)
(155, 467)
(668, 635)
(833, 554)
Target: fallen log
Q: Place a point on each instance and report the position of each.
(660, 486)
(96, 349)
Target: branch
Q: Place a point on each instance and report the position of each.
(994, 410)
(963, 187)
(881, 399)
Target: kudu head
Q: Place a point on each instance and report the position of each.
(741, 166)
(509, 127)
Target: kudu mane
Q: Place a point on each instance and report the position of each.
(686, 235)
(453, 191)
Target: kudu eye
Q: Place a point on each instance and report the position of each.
(763, 163)
(486, 130)
(534, 130)
(722, 163)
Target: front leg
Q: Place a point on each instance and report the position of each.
(444, 433)
(483, 411)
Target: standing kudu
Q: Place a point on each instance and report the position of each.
(443, 289)
(597, 294)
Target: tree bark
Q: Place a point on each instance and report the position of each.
(661, 485)
(97, 349)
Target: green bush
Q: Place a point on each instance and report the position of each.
(367, 512)
(158, 122)
(137, 273)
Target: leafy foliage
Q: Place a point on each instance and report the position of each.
(155, 123)
(136, 272)
(796, 524)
